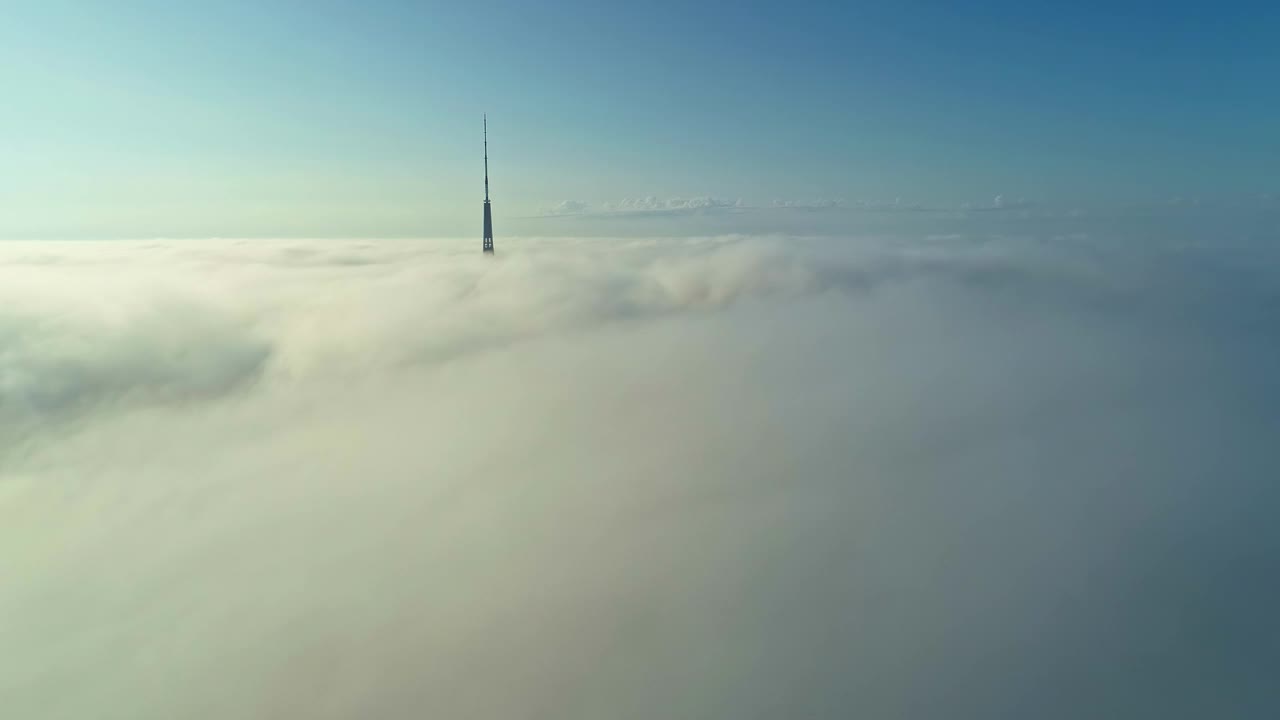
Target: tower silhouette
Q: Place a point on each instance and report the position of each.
(488, 218)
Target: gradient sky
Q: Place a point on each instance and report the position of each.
(320, 118)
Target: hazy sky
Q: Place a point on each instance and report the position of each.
(234, 118)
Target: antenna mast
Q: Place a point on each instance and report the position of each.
(487, 245)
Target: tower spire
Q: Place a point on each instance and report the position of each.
(488, 218)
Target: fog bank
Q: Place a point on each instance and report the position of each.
(733, 477)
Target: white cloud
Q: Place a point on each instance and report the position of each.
(567, 207)
(652, 206)
(647, 206)
(809, 204)
(1001, 202)
(604, 478)
(675, 204)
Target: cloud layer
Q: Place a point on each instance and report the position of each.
(646, 206)
(652, 206)
(724, 477)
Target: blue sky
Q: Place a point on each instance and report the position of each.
(341, 118)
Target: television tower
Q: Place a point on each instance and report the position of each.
(488, 218)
